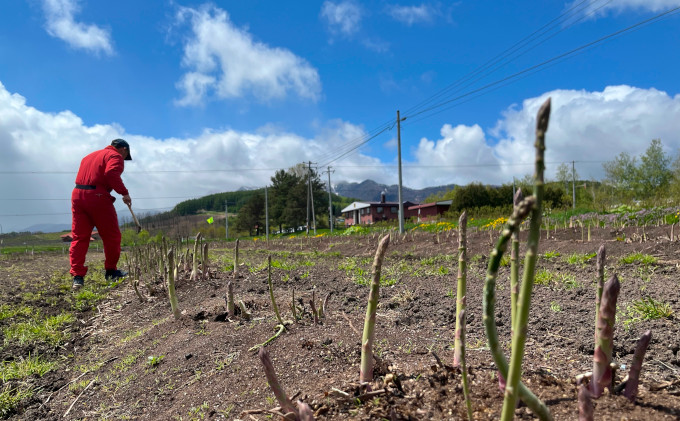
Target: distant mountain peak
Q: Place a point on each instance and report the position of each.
(370, 191)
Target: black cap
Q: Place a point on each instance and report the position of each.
(120, 143)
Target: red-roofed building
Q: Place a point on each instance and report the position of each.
(431, 210)
(364, 213)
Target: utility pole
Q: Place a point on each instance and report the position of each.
(330, 201)
(310, 198)
(226, 220)
(308, 192)
(266, 213)
(401, 202)
(573, 186)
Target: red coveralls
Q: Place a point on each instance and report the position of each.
(94, 208)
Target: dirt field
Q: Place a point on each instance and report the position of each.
(126, 359)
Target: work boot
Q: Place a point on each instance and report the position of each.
(114, 275)
(78, 282)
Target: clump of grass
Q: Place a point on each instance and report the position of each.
(579, 258)
(25, 367)
(646, 308)
(10, 398)
(556, 308)
(279, 264)
(551, 254)
(565, 280)
(543, 277)
(639, 258)
(49, 330)
(87, 299)
(9, 311)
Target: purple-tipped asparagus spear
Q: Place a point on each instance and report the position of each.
(274, 384)
(636, 366)
(604, 338)
(585, 404)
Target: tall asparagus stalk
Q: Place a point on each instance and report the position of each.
(514, 264)
(230, 299)
(366, 369)
(205, 261)
(524, 299)
(463, 366)
(489, 303)
(271, 290)
(636, 366)
(171, 284)
(236, 258)
(601, 259)
(604, 338)
(194, 268)
(462, 287)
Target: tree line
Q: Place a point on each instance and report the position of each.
(651, 180)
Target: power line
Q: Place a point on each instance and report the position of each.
(551, 60)
(556, 22)
(505, 80)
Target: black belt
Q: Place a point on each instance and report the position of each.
(85, 187)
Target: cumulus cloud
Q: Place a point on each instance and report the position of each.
(343, 18)
(411, 15)
(587, 127)
(39, 168)
(596, 8)
(61, 24)
(225, 61)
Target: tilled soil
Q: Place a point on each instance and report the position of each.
(128, 359)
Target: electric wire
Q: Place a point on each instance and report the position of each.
(549, 61)
(506, 53)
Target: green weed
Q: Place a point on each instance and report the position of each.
(49, 330)
(579, 258)
(154, 360)
(25, 367)
(551, 254)
(646, 309)
(9, 311)
(10, 398)
(643, 259)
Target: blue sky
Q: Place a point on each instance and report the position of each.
(217, 96)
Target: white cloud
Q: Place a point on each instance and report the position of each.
(411, 15)
(225, 61)
(35, 142)
(342, 18)
(596, 8)
(61, 24)
(591, 126)
(587, 127)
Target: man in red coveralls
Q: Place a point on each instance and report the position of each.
(92, 206)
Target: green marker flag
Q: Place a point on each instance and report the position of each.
(210, 220)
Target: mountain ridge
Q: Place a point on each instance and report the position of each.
(369, 190)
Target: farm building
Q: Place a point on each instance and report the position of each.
(364, 213)
(431, 210)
